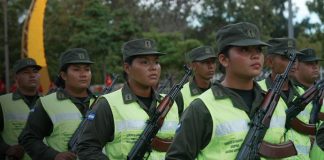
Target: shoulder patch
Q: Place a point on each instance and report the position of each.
(91, 116)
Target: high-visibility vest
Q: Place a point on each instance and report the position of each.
(130, 121)
(186, 94)
(15, 114)
(65, 117)
(301, 142)
(230, 126)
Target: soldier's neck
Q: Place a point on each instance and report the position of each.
(140, 90)
(236, 82)
(28, 92)
(82, 92)
(202, 83)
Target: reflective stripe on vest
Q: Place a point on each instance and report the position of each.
(230, 127)
(15, 114)
(130, 120)
(301, 142)
(65, 117)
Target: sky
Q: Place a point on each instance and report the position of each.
(303, 11)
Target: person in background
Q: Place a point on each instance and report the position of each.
(202, 60)
(15, 107)
(56, 116)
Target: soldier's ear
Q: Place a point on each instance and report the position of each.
(126, 67)
(223, 60)
(63, 75)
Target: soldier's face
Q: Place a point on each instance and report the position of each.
(144, 71)
(204, 69)
(308, 71)
(77, 77)
(244, 62)
(28, 78)
(278, 64)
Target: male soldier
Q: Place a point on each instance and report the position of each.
(57, 115)
(14, 107)
(202, 61)
(215, 124)
(307, 71)
(277, 60)
(118, 118)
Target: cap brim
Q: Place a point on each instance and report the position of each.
(151, 53)
(282, 52)
(38, 67)
(205, 57)
(249, 42)
(311, 59)
(81, 62)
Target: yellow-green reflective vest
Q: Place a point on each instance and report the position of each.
(130, 120)
(301, 142)
(186, 94)
(15, 115)
(230, 126)
(65, 117)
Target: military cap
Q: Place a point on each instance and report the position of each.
(23, 63)
(309, 55)
(139, 47)
(200, 53)
(239, 34)
(75, 55)
(280, 46)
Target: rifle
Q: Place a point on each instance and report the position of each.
(298, 105)
(74, 140)
(316, 113)
(253, 145)
(143, 144)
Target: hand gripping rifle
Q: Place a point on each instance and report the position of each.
(253, 145)
(298, 105)
(143, 144)
(74, 140)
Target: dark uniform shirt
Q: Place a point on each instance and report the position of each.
(99, 131)
(30, 101)
(195, 130)
(39, 125)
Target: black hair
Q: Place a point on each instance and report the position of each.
(59, 82)
(128, 60)
(225, 52)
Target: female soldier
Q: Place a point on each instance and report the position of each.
(118, 118)
(57, 115)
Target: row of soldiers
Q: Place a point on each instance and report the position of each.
(207, 121)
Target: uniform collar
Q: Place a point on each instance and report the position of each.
(61, 94)
(221, 92)
(129, 96)
(18, 95)
(194, 89)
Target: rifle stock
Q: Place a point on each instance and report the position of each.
(283, 150)
(261, 120)
(143, 144)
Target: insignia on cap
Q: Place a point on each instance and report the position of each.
(29, 62)
(147, 44)
(250, 33)
(81, 55)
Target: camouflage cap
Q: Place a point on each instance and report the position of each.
(200, 53)
(280, 46)
(139, 47)
(239, 34)
(75, 55)
(23, 63)
(309, 55)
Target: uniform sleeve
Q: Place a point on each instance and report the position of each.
(3, 145)
(320, 137)
(97, 132)
(37, 127)
(179, 101)
(193, 133)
